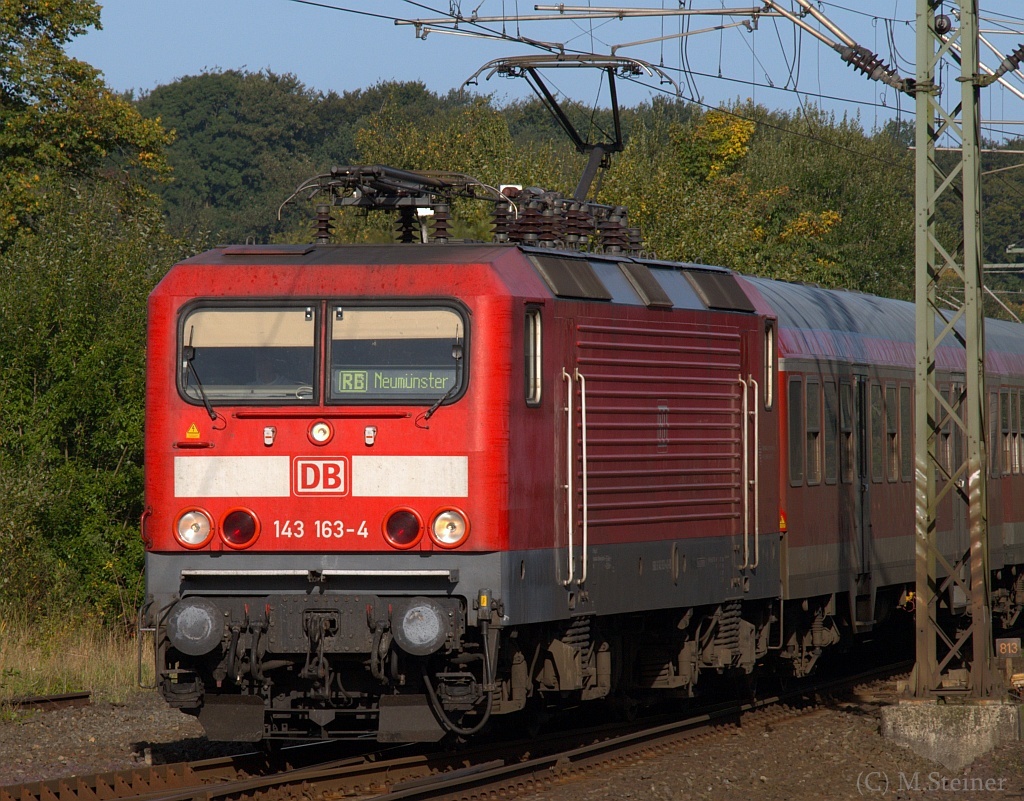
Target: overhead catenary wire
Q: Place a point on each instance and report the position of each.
(789, 85)
(477, 29)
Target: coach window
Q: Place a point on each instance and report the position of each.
(958, 438)
(944, 443)
(796, 432)
(247, 354)
(813, 432)
(1007, 438)
(831, 433)
(955, 433)
(1019, 407)
(1014, 431)
(769, 364)
(993, 433)
(892, 451)
(1011, 461)
(906, 434)
(847, 443)
(877, 433)
(532, 351)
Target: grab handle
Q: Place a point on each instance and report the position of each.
(583, 438)
(745, 472)
(756, 412)
(569, 495)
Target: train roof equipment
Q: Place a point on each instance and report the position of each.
(423, 202)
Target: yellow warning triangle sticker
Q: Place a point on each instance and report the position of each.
(193, 432)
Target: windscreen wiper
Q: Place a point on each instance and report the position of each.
(437, 404)
(189, 353)
(457, 355)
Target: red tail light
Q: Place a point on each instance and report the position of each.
(239, 528)
(403, 529)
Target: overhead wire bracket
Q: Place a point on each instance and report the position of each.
(857, 56)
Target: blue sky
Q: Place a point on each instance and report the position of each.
(146, 43)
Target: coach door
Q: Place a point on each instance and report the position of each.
(855, 482)
(862, 421)
(854, 501)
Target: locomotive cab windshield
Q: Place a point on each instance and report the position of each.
(395, 355)
(376, 355)
(246, 354)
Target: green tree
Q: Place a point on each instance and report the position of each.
(72, 346)
(471, 138)
(81, 244)
(682, 186)
(795, 197)
(243, 141)
(1003, 197)
(58, 116)
(344, 115)
(832, 169)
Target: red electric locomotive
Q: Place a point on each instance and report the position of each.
(395, 491)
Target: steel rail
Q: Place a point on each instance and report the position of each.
(491, 779)
(409, 775)
(59, 701)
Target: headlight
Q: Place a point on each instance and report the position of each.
(194, 528)
(320, 432)
(239, 528)
(450, 528)
(421, 628)
(195, 626)
(403, 529)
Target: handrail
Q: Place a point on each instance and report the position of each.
(583, 439)
(757, 473)
(569, 470)
(745, 474)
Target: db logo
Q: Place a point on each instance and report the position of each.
(320, 477)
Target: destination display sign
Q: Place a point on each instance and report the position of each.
(387, 382)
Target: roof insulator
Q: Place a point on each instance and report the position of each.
(322, 224)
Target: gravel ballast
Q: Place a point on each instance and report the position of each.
(834, 753)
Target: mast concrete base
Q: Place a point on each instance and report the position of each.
(952, 734)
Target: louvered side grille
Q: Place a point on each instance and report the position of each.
(663, 427)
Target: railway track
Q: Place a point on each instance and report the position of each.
(402, 773)
(46, 702)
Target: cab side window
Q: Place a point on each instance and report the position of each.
(532, 342)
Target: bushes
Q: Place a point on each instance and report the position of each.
(81, 243)
(72, 346)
